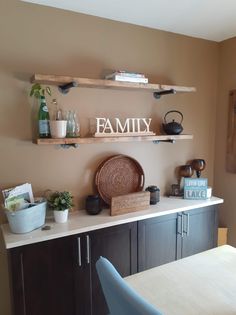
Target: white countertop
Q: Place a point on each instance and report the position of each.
(81, 222)
(204, 283)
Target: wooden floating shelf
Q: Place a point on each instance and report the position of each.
(164, 138)
(106, 84)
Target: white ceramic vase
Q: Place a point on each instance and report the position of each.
(60, 216)
(58, 128)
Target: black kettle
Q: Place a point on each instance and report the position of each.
(173, 128)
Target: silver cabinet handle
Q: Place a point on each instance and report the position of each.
(79, 252)
(87, 249)
(180, 215)
(187, 227)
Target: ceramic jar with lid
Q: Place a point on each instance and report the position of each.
(154, 194)
(93, 204)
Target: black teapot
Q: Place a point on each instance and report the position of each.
(173, 128)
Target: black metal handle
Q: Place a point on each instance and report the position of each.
(174, 111)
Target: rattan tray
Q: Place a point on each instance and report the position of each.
(119, 175)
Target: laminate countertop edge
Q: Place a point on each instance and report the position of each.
(81, 222)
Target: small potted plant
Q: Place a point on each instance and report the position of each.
(60, 203)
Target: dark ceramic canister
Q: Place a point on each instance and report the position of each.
(154, 194)
(92, 204)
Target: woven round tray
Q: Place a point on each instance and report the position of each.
(119, 175)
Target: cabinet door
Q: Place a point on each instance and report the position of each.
(200, 230)
(43, 280)
(119, 245)
(157, 241)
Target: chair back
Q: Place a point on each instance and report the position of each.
(120, 297)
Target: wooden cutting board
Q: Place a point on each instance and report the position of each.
(231, 136)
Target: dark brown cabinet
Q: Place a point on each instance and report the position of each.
(174, 236)
(200, 230)
(119, 245)
(59, 276)
(43, 278)
(157, 241)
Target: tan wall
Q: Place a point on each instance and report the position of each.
(36, 39)
(225, 181)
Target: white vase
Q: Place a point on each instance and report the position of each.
(58, 128)
(60, 216)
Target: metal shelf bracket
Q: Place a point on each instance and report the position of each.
(158, 141)
(70, 145)
(157, 95)
(65, 88)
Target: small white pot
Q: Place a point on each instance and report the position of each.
(58, 128)
(60, 216)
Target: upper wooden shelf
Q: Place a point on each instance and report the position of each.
(155, 139)
(106, 84)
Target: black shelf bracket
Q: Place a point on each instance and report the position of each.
(65, 88)
(69, 145)
(158, 141)
(157, 95)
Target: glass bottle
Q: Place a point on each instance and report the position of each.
(76, 130)
(70, 124)
(43, 119)
(57, 113)
(73, 127)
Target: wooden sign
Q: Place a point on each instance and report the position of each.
(195, 188)
(129, 127)
(231, 136)
(130, 202)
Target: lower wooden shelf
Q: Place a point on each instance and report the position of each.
(86, 140)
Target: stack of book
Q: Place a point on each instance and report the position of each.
(126, 76)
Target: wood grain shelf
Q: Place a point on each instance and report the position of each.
(107, 84)
(87, 140)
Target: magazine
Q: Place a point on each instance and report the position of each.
(18, 198)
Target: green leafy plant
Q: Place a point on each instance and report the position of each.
(37, 90)
(60, 200)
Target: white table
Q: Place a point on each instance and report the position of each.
(200, 284)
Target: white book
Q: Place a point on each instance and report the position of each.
(129, 79)
(18, 197)
(125, 74)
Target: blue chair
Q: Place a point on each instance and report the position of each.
(120, 297)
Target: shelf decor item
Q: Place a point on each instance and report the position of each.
(28, 219)
(39, 92)
(73, 126)
(154, 194)
(198, 165)
(126, 76)
(119, 175)
(60, 203)
(129, 127)
(173, 127)
(195, 188)
(58, 124)
(93, 204)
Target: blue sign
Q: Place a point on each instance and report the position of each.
(195, 188)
